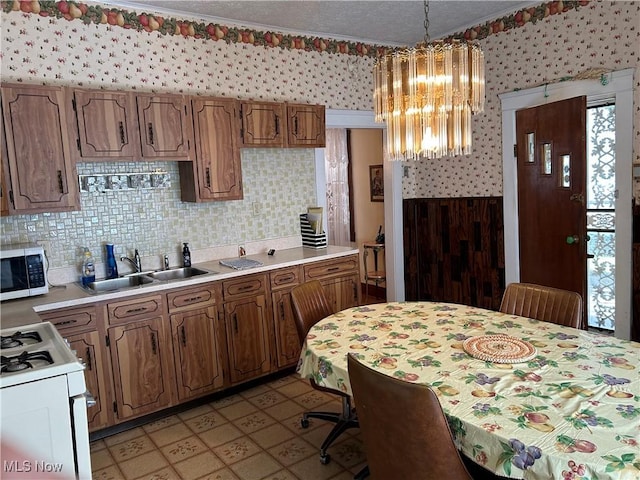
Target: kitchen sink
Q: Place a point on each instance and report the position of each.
(178, 273)
(110, 284)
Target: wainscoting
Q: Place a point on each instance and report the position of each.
(454, 250)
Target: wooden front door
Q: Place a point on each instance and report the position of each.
(551, 156)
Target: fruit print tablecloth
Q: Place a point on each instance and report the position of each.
(571, 412)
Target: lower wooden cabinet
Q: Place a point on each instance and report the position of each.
(340, 279)
(286, 334)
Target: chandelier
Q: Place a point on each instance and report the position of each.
(427, 94)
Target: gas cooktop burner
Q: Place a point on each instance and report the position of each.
(25, 360)
(18, 339)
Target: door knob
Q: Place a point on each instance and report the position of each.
(571, 239)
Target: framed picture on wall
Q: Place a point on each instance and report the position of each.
(376, 183)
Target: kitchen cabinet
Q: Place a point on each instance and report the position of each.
(247, 321)
(165, 127)
(198, 342)
(141, 356)
(286, 334)
(305, 125)
(263, 124)
(4, 171)
(81, 328)
(340, 279)
(105, 125)
(216, 173)
(42, 176)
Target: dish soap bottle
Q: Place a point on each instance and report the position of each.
(88, 268)
(112, 266)
(186, 255)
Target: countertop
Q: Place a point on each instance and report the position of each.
(14, 313)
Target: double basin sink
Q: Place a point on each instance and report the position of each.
(145, 278)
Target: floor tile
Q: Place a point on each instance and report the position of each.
(236, 450)
(142, 465)
(280, 382)
(281, 475)
(182, 449)
(166, 473)
(292, 451)
(195, 467)
(223, 474)
(237, 410)
(161, 423)
(256, 467)
(194, 412)
(312, 400)
(312, 469)
(285, 409)
(257, 390)
(131, 448)
(295, 389)
(110, 473)
(267, 399)
(101, 459)
(205, 421)
(220, 435)
(348, 453)
(254, 421)
(226, 401)
(272, 435)
(123, 436)
(170, 434)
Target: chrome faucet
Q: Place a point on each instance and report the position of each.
(136, 262)
(165, 260)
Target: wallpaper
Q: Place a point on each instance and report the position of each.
(551, 45)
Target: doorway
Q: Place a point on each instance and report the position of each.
(617, 89)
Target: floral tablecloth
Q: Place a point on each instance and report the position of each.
(571, 412)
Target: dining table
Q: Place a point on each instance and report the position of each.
(524, 398)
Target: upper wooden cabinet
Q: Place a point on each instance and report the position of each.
(305, 125)
(262, 124)
(216, 173)
(42, 176)
(106, 124)
(165, 127)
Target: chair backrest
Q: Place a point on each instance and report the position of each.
(310, 305)
(405, 431)
(543, 303)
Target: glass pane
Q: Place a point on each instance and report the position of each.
(601, 269)
(601, 156)
(565, 181)
(546, 158)
(601, 220)
(531, 149)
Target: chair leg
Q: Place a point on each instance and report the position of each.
(339, 428)
(362, 474)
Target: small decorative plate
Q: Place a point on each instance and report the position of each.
(499, 349)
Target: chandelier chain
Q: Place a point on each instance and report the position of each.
(426, 22)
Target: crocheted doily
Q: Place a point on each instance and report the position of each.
(499, 349)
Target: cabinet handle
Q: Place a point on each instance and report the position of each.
(60, 183)
(136, 310)
(66, 322)
(121, 129)
(235, 322)
(89, 360)
(150, 127)
(282, 311)
(208, 176)
(245, 288)
(192, 299)
(154, 348)
(184, 336)
(277, 125)
(288, 278)
(295, 126)
(333, 269)
(355, 291)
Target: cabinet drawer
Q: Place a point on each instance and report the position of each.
(192, 297)
(285, 277)
(331, 268)
(125, 311)
(73, 320)
(244, 286)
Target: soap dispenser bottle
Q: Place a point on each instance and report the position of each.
(112, 266)
(88, 268)
(186, 255)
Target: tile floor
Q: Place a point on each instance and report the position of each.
(251, 435)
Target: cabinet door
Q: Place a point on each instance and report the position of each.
(247, 338)
(42, 175)
(165, 131)
(88, 348)
(4, 173)
(106, 124)
(218, 174)
(262, 124)
(342, 292)
(287, 341)
(197, 350)
(305, 126)
(142, 367)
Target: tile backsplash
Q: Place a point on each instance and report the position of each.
(279, 184)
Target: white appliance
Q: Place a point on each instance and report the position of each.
(43, 406)
(22, 271)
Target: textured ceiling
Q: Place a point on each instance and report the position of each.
(394, 22)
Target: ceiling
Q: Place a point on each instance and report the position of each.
(392, 22)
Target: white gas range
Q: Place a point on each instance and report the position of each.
(43, 406)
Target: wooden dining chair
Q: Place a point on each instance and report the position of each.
(548, 304)
(310, 305)
(405, 431)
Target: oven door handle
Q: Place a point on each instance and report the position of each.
(91, 401)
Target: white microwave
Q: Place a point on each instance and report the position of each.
(22, 271)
